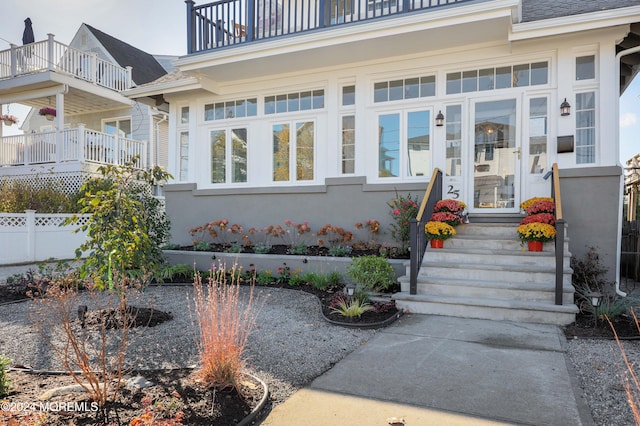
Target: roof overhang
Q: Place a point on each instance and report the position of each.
(80, 97)
(406, 34)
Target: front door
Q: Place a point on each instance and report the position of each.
(495, 181)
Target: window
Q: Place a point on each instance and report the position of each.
(348, 95)
(293, 152)
(184, 156)
(184, 115)
(410, 88)
(231, 109)
(118, 126)
(348, 144)
(404, 146)
(228, 155)
(538, 115)
(506, 77)
(454, 140)
(586, 67)
(292, 102)
(585, 128)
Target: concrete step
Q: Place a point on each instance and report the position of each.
(491, 289)
(507, 258)
(494, 309)
(515, 273)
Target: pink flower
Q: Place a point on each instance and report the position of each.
(287, 222)
(396, 212)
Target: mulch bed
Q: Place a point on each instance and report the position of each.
(311, 251)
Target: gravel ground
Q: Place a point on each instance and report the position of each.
(602, 374)
(292, 344)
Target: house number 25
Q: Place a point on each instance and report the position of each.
(453, 193)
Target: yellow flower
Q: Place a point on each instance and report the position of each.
(536, 231)
(439, 230)
(526, 204)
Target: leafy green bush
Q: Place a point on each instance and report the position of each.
(128, 226)
(5, 381)
(48, 197)
(372, 272)
(322, 281)
(179, 272)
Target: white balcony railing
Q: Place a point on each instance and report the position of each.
(78, 144)
(50, 55)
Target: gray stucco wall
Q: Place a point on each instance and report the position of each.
(590, 203)
(340, 202)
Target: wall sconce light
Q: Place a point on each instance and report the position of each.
(565, 108)
(439, 119)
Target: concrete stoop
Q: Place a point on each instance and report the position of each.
(483, 272)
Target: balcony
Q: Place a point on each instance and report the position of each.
(79, 145)
(236, 22)
(51, 55)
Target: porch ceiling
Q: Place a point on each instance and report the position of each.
(629, 64)
(38, 90)
(338, 46)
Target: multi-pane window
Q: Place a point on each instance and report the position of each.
(184, 156)
(586, 67)
(585, 128)
(293, 151)
(404, 145)
(454, 140)
(118, 126)
(538, 116)
(409, 88)
(292, 102)
(348, 144)
(506, 77)
(231, 109)
(228, 155)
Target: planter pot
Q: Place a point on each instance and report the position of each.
(8, 122)
(535, 245)
(49, 117)
(437, 244)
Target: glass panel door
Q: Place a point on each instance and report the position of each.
(496, 154)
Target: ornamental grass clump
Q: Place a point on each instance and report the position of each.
(536, 231)
(223, 322)
(439, 230)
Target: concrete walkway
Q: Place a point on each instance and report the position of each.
(435, 370)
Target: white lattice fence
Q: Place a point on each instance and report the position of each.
(66, 182)
(35, 237)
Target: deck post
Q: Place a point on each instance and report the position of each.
(191, 35)
(50, 59)
(14, 60)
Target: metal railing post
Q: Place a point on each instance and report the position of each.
(191, 35)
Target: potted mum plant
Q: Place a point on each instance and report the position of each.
(535, 234)
(48, 112)
(437, 232)
(9, 119)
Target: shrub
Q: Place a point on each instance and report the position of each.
(403, 209)
(45, 197)
(352, 308)
(322, 281)
(372, 272)
(223, 325)
(5, 381)
(177, 272)
(340, 251)
(127, 225)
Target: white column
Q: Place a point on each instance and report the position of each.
(59, 125)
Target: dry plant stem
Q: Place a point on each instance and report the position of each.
(223, 326)
(632, 392)
(82, 349)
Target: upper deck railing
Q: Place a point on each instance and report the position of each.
(77, 144)
(50, 55)
(232, 22)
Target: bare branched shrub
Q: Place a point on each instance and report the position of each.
(93, 356)
(630, 383)
(223, 324)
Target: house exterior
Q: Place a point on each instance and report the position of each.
(323, 111)
(94, 123)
